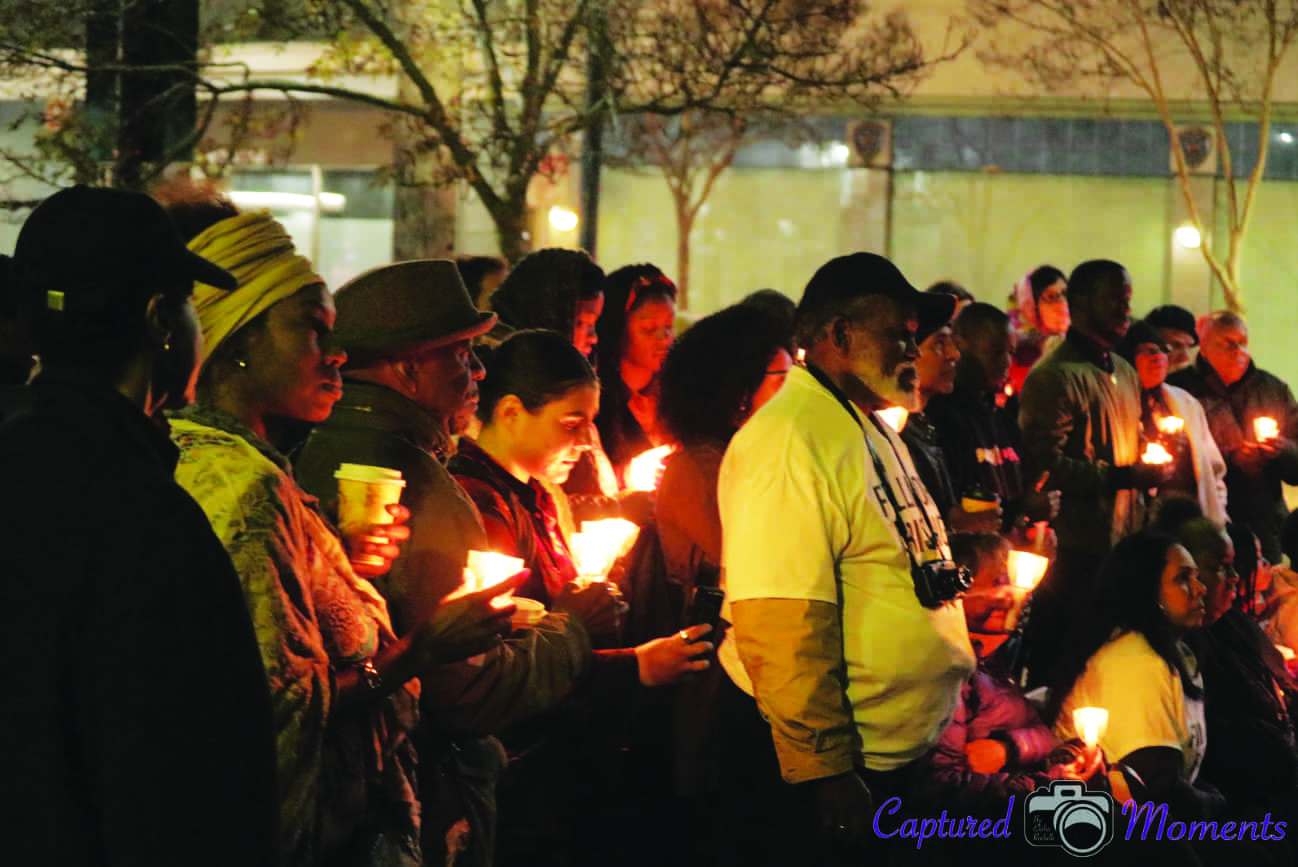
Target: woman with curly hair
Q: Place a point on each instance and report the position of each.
(556, 290)
(721, 372)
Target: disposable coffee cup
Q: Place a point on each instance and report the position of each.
(528, 613)
(364, 494)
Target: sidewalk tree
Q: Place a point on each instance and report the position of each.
(826, 54)
(490, 93)
(1232, 51)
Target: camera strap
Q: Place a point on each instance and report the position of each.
(935, 539)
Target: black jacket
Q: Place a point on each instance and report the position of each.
(981, 444)
(137, 727)
(1253, 499)
(930, 461)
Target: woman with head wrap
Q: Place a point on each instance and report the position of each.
(341, 682)
(1040, 316)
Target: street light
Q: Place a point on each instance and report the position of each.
(1188, 237)
(563, 219)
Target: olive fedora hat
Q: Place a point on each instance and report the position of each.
(392, 309)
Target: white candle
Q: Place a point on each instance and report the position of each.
(1090, 723)
(489, 568)
(644, 470)
(598, 545)
(1156, 454)
(1266, 428)
(1170, 424)
(1027, 569)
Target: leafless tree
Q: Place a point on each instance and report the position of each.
(1234, 50)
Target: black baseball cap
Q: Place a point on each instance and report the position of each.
(860, 275)
(89, 249)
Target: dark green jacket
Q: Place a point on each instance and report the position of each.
(1255, 499)
(1081, 424)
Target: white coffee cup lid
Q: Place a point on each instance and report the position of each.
(367, 473)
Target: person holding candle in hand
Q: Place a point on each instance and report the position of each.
(1236, 396)
(411, 385)
(341, 680)
(1128, 656)
(537, 405)
(636, 328)
(1080, 417)
(1172, 417)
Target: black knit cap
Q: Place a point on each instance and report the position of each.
(1139, 332)
(1174, 317)
(861, 275)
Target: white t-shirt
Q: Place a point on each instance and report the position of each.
(803, 514)
(1147, 706)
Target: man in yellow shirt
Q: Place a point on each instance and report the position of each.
(847, 631)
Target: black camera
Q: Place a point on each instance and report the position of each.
(939, 581)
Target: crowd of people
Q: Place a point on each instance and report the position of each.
(813, 641)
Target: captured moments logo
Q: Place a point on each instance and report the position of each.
(1065, 815)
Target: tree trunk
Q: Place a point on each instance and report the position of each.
(423, 208)
(684, 224)
(424, 222)
(512, 229)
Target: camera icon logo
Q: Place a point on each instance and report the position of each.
(1069, 817)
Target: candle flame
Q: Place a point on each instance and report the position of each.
(645, 469)
(894, 417)
(487, 569)
(1090, 723)
(1266, 428)
(598, 545)
(1156, 454)
(1170, 424)
(1027, 569)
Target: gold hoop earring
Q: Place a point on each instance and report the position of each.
(166, 347)
(241, 364)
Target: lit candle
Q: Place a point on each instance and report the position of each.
(598, 545)
(1156, 454)
(1027, 569)
(1090, 723)
(1170, 424)
(894, 417)
(1266, 428)
(487, 569)
(645, 469)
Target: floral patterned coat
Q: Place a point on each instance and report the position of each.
(345, 779)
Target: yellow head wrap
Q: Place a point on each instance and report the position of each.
(257, 250)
